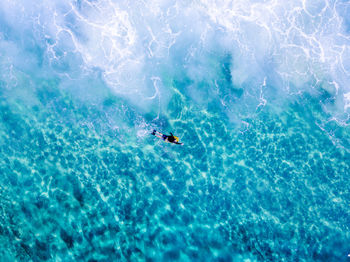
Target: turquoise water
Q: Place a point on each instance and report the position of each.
(263, 174)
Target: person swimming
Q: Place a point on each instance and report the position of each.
(170, 139)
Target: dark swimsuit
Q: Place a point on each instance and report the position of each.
(165, 137)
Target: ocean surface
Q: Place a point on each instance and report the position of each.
(257, 90)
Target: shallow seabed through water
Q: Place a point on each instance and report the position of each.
(274, 190)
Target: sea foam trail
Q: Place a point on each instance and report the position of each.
(269, 48)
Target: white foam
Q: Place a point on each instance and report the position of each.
(294, 45)
(347, 101)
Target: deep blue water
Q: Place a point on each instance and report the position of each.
(258, 92)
